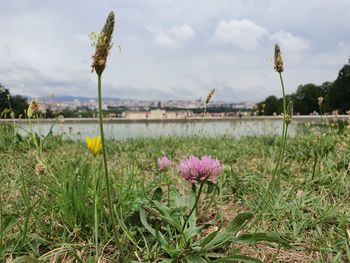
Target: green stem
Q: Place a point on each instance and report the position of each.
(282, 154)
(204, 112)
(40, 143)
(314, 166)
(284, 95)
(1, 220)
(96, 224)
(30, 125)
(169, 183)
(272, 184)
(13, 119)
(9, 101)
(279, 163)
(194, 206)
(33, 137)
(284, 121)
(100, 115)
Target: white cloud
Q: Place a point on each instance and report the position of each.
(173, 37)
(242, 33)
(290, 42)
(42, 53)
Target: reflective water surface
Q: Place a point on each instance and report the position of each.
(232, 128)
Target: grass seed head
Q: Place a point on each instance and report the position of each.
(210, 94)
(278, 59)
(320, 101)
(40, 169)
(289, 113)
(103, 43)
(33, 108)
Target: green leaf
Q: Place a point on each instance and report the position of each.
(238, 258)
(49, 134)
(157, 194)
(258, 237)
(166, 214)
(211, 187)
(194, 188)
(222, 237)
(155, 232)
(161, 240)
(206, 240)
(190, 232)
(191, 201)
(179, 201)
(239, 221)
(195, 259)
(19, 137)
(7, 223)
(177, 211)
(145, 222)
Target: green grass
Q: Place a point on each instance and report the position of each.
(51, 217)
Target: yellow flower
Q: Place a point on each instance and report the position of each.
(94, 144)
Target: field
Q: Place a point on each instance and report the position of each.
(54, 203)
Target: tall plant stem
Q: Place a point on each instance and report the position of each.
(96, 223)
(279, 163)
(314, 166)
(13, 118)
(100, 116)
(1, 220)
(285, 125)
(204, 112)
(194, 206)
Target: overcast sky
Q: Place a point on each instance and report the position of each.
(172, 49)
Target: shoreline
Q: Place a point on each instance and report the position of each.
(298, 118)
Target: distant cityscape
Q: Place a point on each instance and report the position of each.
(141, 109)
(74, 103)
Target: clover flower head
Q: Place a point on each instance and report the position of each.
(94, 144)
(196, 170)
(163, 163)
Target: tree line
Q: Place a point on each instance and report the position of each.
(12, 106)
(308, 99)
(311, 98)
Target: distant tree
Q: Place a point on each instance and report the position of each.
(305, 99)
(19, 105)
(50, 114)
(67, 113)
(270, 106)
(325, 89)
(336, 96)
(4, 98)
(339, 94)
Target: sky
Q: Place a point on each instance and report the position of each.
(172, 49)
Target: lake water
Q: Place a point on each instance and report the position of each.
(120, 131)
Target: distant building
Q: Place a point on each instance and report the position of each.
(156, 114)
(112, 115)
(135, 115)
